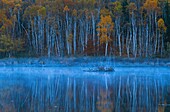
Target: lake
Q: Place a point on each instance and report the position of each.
(71, 89)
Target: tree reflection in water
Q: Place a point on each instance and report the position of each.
(100, 93)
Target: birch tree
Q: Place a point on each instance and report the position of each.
(117, 12)
(105, 27)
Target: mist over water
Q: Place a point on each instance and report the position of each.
(70, 89)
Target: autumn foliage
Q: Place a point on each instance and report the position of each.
(73, 27)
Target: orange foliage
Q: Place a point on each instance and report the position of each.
(105, 27)
(151, 5)
(12, 3)
(66, 8)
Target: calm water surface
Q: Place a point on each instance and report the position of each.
(70, 89)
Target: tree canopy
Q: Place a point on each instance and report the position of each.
(130, 28)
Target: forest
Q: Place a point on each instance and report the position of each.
(123, 28)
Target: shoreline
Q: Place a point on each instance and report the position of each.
(83, 61)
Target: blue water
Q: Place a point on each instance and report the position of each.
(70, 89)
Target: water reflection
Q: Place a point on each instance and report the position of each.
(98, 92)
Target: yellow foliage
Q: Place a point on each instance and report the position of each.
(40, 1)
(7, 44)
(105, 12)
(70, 38)
(7, 23)
(2, 16)
(42, 11)
(35, 10)
(66, 8)
(150, 5)
(2, 29)
(161, 25)
(132, 7)
(104, 39)
(117, 8)
(18, 5)
(105, 27)
(4, 21)
(74, 12)
(12, 3)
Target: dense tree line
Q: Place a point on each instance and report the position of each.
(129, 28)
